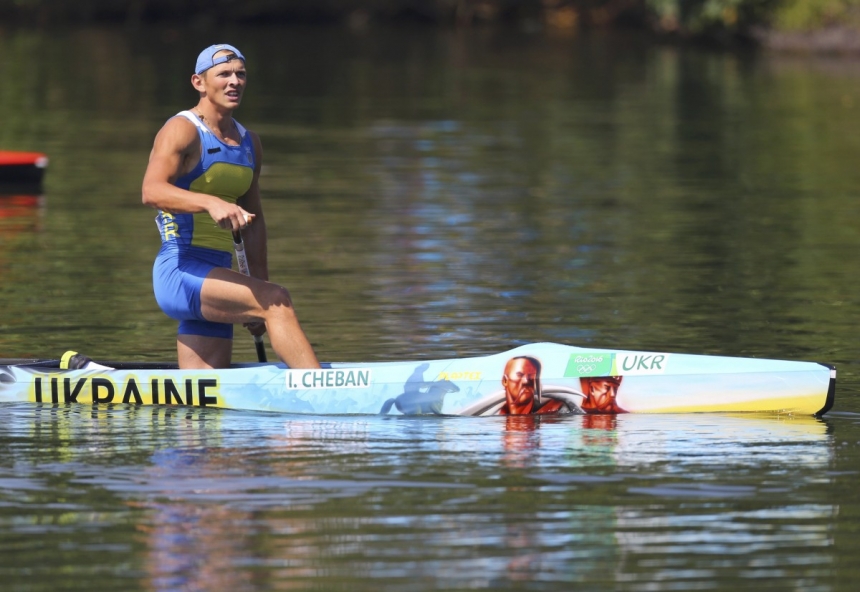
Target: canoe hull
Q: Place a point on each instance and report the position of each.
(571, 380)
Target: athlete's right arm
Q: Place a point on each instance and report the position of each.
(176, 151)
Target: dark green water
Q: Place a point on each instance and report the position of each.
(431, 194)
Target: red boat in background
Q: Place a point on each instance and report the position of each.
(22, 168)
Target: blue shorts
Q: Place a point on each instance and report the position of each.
(177, 278)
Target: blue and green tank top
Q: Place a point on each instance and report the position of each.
(224, 171)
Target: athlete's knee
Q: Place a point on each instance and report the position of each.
(275, 296)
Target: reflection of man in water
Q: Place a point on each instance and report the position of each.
(600, 393)
(522, 388)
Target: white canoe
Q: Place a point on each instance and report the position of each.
(569, 380)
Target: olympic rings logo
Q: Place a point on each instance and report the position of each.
(586, 368)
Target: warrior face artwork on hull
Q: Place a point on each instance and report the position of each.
(525, 393)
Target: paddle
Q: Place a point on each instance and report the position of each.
(242, 261)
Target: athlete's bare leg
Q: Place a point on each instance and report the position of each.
(230, 297)
(198, 351)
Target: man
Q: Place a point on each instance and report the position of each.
(521, 381)
(203, 177)
(600, 394)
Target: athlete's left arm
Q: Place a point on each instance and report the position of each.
(254, 235)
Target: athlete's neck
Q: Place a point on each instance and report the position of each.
(220, 122)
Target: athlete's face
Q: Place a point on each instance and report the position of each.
(224, 83)
(520, 381)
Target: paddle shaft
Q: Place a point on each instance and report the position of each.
(242, 261)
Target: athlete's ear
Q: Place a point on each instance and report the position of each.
(197, 82)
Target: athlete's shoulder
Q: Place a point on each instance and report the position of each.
(255, 138)
(179, 132)
(244, 132)
(258, 146)
(184, 121)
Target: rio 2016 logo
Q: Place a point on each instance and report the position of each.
(616, 364)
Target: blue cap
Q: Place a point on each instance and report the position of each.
(205, 60)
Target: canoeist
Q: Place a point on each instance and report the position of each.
(203, 177)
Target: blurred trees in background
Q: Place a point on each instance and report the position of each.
(687, 18)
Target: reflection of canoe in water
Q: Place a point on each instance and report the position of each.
(19, 212)
(20, 216)
(720, 439)
(24, 168)
(571, 380)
